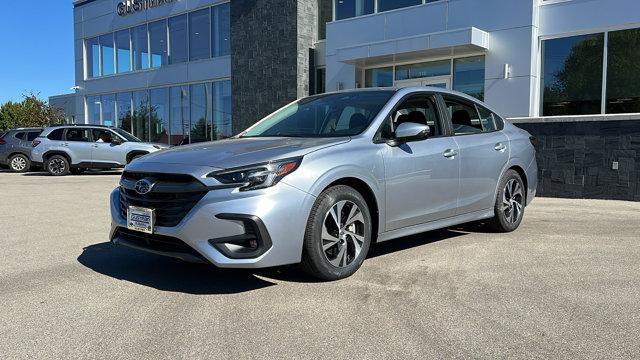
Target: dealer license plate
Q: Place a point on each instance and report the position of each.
(140, 219)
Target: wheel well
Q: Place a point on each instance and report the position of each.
(368, 195)
(134, 153)
(49, 154)
(523, 176)
(17, 153)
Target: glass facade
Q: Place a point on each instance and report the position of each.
(380, 77)
(159, 115)
(345, 9)
(427, 69)
(386, 5)
(468, 76)
(200, 34)
(623, 72)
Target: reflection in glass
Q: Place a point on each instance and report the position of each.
(385, 5)
(140, 119)
(572, 75)
(381, 77)
(107, 54)
(179, 114)
(108, 110)
(178, 39)
(159, 115)
(468, 76)
(200, 129)
(350, 8)
(220, 30)
(93, 110)
(199, 32)
(158, 40)
(93, 57)
(623, 72)
(221, 111)
(427, 69)
(124, 111)
(140, 44)
(123, 51)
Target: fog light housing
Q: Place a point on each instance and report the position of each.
(253, 243)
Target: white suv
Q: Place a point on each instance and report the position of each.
(65, 149)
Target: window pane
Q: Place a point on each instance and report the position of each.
(81, 135)
(179, 113)
(159, 100)
(140, 123)
(124, 111)
(158, 40)
(413, 71)
(572, 75)
(93, 109)
(102, 136)
(123, 52)
(350, 8)
(200, 129)
(93, 58)
(320, 82)
(220, 29)
(379, 77)
(468, 76)
(325, 15)
(385, 5)
(178, 38)
(464, 118)
(108, 110)
(106, 46)
(221, 112)
(199, 29)
(623, 76)
(486, 119)
(140, 47)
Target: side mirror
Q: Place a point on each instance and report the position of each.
(410, 131)
(116, 140)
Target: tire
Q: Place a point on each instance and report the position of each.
(19, 163)
(510, 203)
(330, 251)
(57, 165)
(77, 171)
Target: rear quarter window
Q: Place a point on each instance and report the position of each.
(19, 135)
(55, 134)
(31, 135)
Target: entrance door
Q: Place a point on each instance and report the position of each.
(443, 82)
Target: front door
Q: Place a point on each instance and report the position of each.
(105, 153)
(421, 177)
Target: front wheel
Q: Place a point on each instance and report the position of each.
(510, 203)
(338, 234)
(19, 163)
(58, 165)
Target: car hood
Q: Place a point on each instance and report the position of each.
(230, 153)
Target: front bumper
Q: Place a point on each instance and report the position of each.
(275, 218)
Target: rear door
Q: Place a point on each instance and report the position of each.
(77, 143)
(484, 152)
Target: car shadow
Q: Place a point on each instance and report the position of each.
(174, 275)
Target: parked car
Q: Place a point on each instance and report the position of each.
(71, 148)
(15, 148)
(323, 178)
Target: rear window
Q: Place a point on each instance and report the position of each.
(19, 135)
(56, 134)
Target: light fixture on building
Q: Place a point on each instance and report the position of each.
(507, 71)
(75, 88)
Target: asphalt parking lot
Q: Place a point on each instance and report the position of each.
(565, 285)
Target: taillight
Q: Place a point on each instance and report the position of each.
(35, 142)
(2, 142)
(533, 140)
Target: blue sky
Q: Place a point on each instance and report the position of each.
(36, 48)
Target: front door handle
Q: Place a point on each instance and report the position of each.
(500, 147)
(450, 153)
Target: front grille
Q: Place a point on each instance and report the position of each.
(172, 196)
(155, 242)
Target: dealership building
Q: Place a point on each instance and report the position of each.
(179, 71)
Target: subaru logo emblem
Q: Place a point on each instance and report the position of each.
(144, 186)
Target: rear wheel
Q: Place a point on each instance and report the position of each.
(510, 203)
(19, 163)
(58, 165)
(338, 234)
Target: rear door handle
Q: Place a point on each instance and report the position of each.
(500, 147)
(449, 153)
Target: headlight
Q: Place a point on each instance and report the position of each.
(258, 176)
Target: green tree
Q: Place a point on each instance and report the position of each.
(31, 111)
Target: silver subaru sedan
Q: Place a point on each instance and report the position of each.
(320, 180)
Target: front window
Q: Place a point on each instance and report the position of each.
(334, 115)
(126, 135)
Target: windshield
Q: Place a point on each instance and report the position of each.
(333, 115)
(126, 135)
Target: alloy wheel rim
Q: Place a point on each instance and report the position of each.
(18, 163)
(56, 166)
(343, 233)
(512, 201)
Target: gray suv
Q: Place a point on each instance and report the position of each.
(15, 148)
(71, 148)
(320, 180)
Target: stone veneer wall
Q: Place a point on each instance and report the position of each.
(270, 42)
(576, 156)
